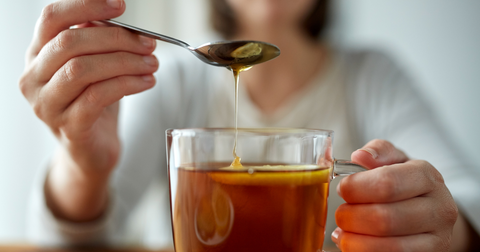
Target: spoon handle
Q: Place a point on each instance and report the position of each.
(143, 32)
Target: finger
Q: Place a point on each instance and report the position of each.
(75, 76)
(87, 41)
(425, 242)
(85, 25)
(390, 183)
(413, 216)
(377, 153)
(77, 42)
(86, 109)
(61, 15)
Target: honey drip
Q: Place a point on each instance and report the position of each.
(236, 161)
(236, 69)
(245, 57)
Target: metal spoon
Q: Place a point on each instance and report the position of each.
(222, 53)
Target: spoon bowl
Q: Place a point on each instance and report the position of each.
(222, 53)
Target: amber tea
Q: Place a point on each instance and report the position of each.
(254, 208)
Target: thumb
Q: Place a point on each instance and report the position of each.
(377, 153)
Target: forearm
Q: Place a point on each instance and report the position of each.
(72, 193)
(464, 238)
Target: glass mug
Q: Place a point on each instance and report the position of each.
(277, 202)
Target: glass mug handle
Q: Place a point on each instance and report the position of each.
(343, 168)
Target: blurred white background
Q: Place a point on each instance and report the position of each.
(437, 41)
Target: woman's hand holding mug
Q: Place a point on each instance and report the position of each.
(399, 205)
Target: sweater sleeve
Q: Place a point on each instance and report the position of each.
(47, 230)
(385, 104)
(175, 102)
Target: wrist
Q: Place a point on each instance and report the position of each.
(72, 165)
(74, 193)
(90, 159)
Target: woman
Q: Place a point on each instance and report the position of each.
(74, 83)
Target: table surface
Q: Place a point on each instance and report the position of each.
(28, 248)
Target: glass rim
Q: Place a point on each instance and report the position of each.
(260, 131)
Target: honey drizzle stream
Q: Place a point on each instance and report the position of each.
(236, 75)
(236, 162)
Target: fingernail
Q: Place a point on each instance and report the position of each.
(116, 4)
(147, 42)
(150, 60)
(335, 234)
(148, 78)
(370, 151)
